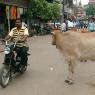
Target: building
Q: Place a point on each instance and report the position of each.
(19, 3)
(92, 2)
(9, 11)
(79, 10)
(66, 9)
(68, 5)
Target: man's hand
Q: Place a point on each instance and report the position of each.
(7, 38)
(24, 38)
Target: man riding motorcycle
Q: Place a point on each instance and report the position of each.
(19, 34)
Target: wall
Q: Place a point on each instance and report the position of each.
(20, 3)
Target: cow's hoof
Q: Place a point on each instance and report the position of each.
(70, 82)
(83, 60)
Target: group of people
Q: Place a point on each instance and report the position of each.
(69, 24)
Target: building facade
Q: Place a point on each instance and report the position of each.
(19, 3)
(66, 8)
(9, 11)
(92, 2)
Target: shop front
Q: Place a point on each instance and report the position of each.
(10, 10)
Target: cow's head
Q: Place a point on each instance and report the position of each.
(53, 38)
(54, 34)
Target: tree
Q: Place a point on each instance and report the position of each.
(90, 10)
(51, 1)
(44, 11)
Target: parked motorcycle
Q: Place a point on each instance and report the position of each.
(11, 64)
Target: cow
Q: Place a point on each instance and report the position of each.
(74, 46)
(82, 30)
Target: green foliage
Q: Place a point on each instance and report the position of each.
(44, 11)
(90, 10)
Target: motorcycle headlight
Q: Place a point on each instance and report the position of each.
(7, 50)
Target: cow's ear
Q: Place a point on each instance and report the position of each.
(53, 33)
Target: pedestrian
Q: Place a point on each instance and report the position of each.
(91, 26)
(63, 26)
(70, 24)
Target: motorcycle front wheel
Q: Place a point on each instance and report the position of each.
(5, 76)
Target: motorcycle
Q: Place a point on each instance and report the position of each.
(12, 64)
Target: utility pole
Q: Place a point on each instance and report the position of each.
(62, 12)
(76, 2)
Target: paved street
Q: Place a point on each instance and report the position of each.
(47, 72)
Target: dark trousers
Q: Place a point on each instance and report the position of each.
(22, 52)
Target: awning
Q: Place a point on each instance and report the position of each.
(19, 3)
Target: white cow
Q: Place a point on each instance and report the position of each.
(74, 46)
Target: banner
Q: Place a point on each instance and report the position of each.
(18, 13)
(8, 16)
(13, 12)
(7, 12)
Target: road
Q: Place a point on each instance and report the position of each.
(47, 72)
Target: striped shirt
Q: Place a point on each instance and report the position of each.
(18, 35)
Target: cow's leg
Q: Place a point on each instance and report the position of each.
(71, 67)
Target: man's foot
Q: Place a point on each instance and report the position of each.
(23, 68)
